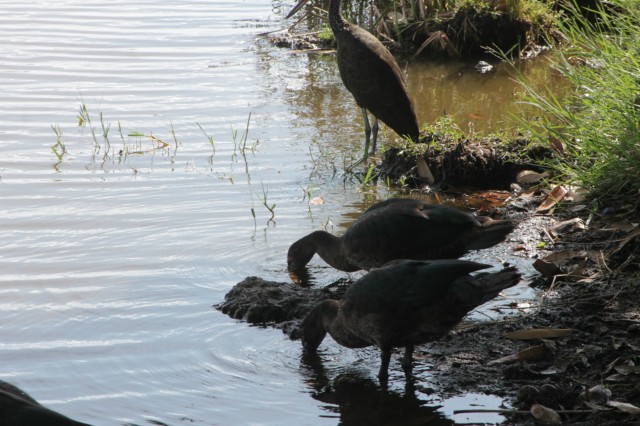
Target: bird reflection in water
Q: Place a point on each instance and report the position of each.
(358, 400)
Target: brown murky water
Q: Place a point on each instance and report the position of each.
(119, 235)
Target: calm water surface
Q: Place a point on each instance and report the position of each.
(115, 248)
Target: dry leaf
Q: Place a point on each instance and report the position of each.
(538, 333)
(627, 369)
(554, 197)
(529, 176)
(562, 256)
(423, 171)
(533, 352)
(624, 406)
(556, 144)
(316, 201)
(571, 225)
(547, 269)
(545, 414)
(486, 199)
(617, 378)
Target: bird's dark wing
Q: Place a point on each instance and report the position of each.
(432, 212)
(375, 80)
(410, 282)
(408, 229)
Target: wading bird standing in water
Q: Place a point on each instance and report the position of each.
(372, 76)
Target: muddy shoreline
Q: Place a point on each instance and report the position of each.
(588, 285)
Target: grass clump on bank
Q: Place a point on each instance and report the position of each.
(597, 130)
(455, 28)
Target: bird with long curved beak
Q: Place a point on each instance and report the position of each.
(372, 75)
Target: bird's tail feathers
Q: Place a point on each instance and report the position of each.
(493, 232)
(493, 283)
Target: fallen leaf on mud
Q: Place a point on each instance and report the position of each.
(529, 193)
(626, 369)
(563, 256)
(316, 201)
(624, 406)
(570, 226)
(538, 333)
(547, 269)
(554, 197)
(556, 144)
(545, 414)
(529, 176)
(533, 352)
(617, 378)
(424, 171)
(487, 199)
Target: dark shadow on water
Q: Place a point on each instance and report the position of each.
(360, 401)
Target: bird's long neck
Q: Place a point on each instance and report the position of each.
(336, 21)
(329, 248)
(334, 323)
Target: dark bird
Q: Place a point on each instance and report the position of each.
(400, 228)
(404, 303)
(373, 77)
(18, 408)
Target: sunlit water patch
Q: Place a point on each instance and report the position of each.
(153, 154)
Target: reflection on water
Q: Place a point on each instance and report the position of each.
(119, 235)
(358, 400)
(479, 104)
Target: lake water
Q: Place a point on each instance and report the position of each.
(114, 248)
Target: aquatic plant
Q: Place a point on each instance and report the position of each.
(270, 207)
(59, 148)
(209, 138)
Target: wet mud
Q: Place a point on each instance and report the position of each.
(488, 163)
(588, 376)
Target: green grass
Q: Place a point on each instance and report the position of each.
(416, 24)
(599, 126)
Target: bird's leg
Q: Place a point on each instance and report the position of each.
(375, 135)
(367, 133)
(407, 359)
(385, 358)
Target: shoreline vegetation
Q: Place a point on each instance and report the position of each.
(589, 139)
(572, 177)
